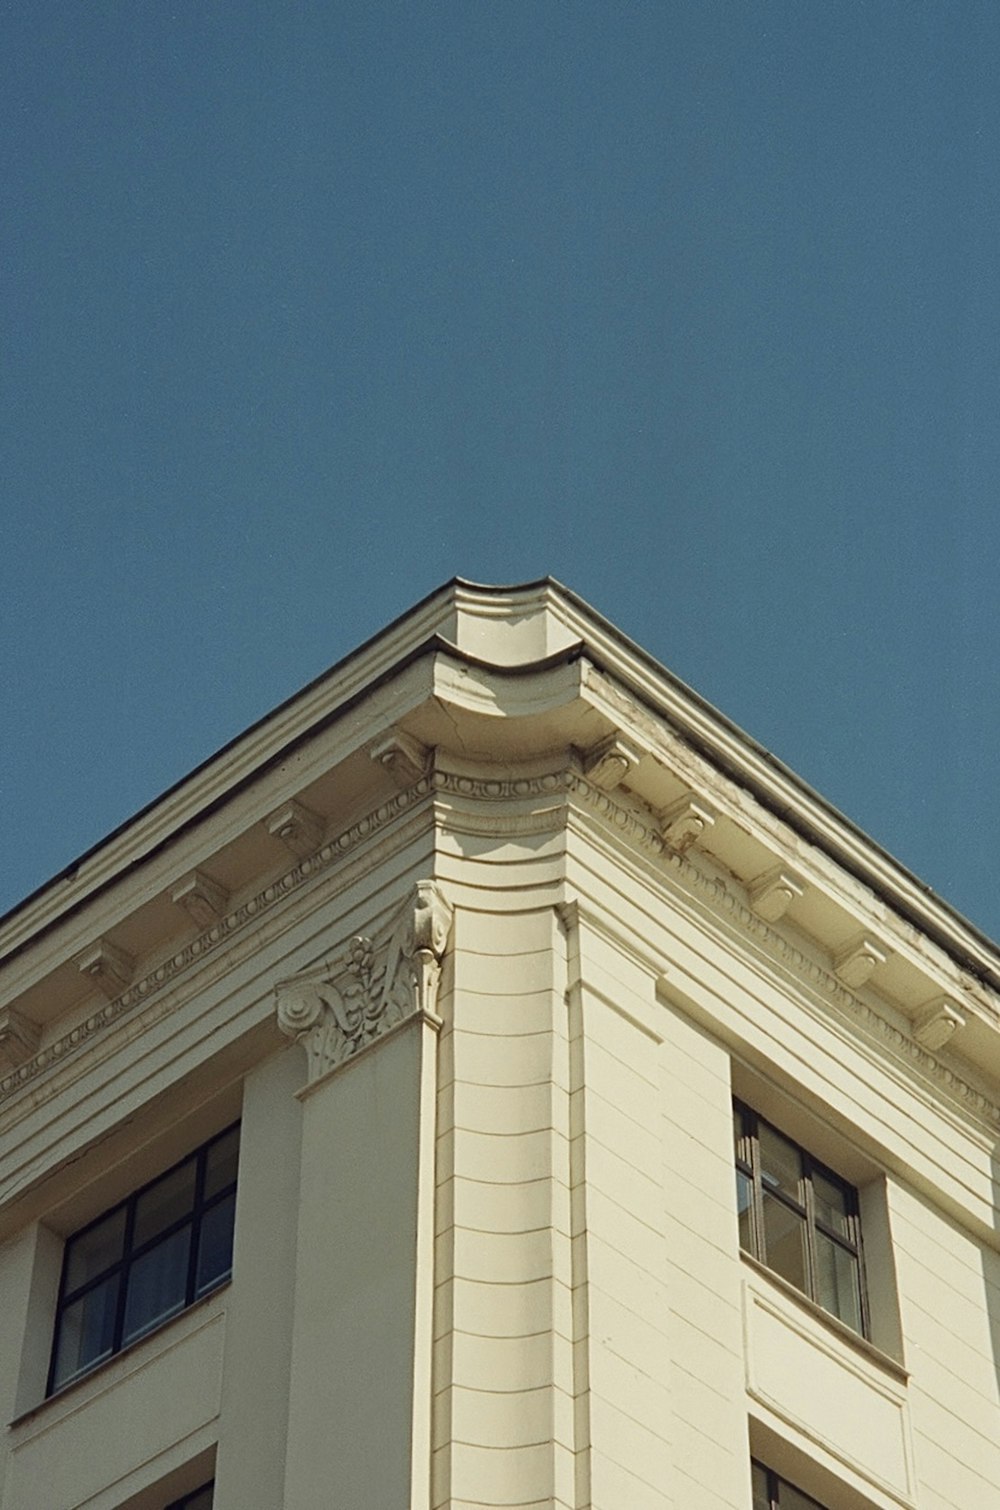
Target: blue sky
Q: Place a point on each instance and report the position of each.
(693, 305)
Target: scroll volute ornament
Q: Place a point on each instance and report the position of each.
(341, 1007)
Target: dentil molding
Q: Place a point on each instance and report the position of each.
(339, 1010)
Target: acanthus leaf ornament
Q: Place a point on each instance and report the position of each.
(341, 1007)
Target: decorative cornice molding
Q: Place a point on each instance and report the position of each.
(904, 1045)
(338, 1011)
(621, 819)
(250, 911)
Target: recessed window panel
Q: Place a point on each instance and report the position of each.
(780, 1165)
(157, 1285)
(221, 1159)
(146, 1260)
(785, 1241)
(215, 1250)
(168, 1201)
(797, 1217)
(87, 1333)
(95, 1250)
(838, 1287)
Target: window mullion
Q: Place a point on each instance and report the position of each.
(809, 1203)
(123, 1271)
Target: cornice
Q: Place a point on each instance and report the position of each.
(726, 900)
(553, 788)
(212, 939)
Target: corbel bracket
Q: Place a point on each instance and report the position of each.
(19, 1038)
(612, 761)
(203, 899)
(857, 962)
(685, 823)
(298, 828)
(402, 756)
(937, 1023)
(107, 967)
(772, 894)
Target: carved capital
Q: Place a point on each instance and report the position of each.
(772, 894)
(107, 967)
(298, 828)
(203, 899)
(857, 962)
(18, 1038)
(937, 1023)
(342, 1007)
(404, 757)
(685, 823)
(611, 762)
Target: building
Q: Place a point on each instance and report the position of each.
(612, 1116)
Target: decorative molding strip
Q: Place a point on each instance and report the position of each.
(250, 911)
(18, 1037)
(339, 1011)
(503, 789)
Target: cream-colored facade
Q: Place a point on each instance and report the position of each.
(478, 937)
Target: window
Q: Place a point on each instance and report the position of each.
(201, 1499)
(772, 1493)
(145, 1260)
(798, 1218)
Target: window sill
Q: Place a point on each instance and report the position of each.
(139, 1354)
(832, 1323)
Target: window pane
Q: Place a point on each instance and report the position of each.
(831, 1204)
(780, 1164)
(760, 1495)
(86, 1335)
(164, 1203)
(92, 1252)
(157, 1285)
(215, 1249)
(784, 1242)
(220, 1163)
(837, 1280)
(744, 1196)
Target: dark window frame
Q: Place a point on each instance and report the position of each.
(775, 1483)
(748, 1163)
(194, 1216)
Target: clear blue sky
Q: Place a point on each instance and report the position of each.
(308, 307)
